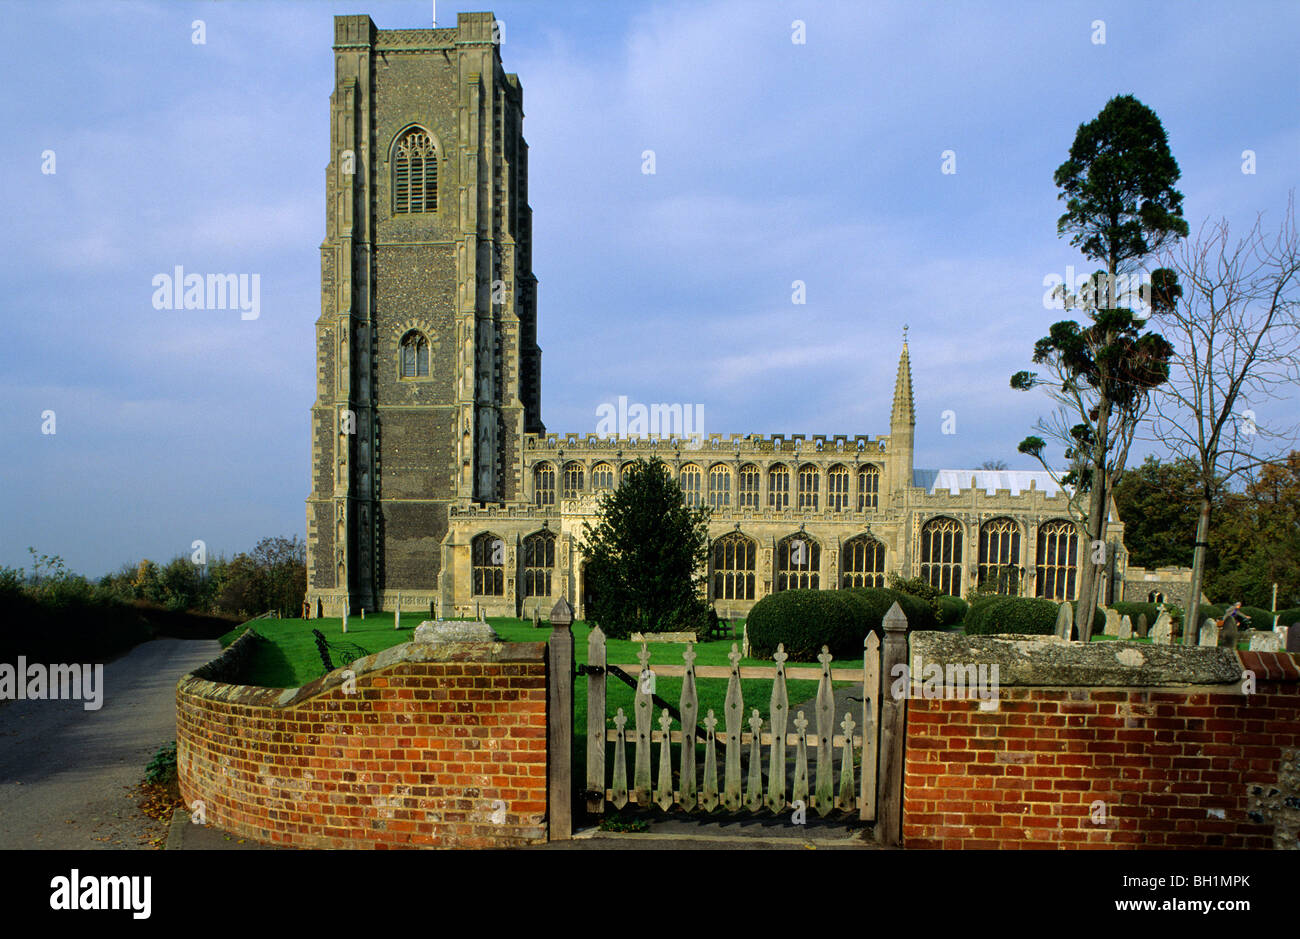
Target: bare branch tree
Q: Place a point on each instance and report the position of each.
(1236, 333)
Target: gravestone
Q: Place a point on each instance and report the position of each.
(1065, 622)
(1228, 634)
(1209, 633)
(1264, 642)
(435, 631)
(1162, 633)
(1112, 622)
(1293, 638)
(1125, 628)
(1143, 626)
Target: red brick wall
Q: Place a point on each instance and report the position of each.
(421, 755)
(1166, 764)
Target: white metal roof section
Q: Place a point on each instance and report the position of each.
(957, 480)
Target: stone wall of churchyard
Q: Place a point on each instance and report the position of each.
(1176, 760)
(418, 746)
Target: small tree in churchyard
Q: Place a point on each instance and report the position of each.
(646, 555)
(1121, 206)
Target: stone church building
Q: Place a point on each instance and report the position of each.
(434, 482)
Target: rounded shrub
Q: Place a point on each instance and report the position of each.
(871, 604)
(921, 612)
(805, 620)
(879, 599)
(952, 610)
(922, 590)
(1024, 615)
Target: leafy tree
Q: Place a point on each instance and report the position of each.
(1258, 540)
(146, 584)
(993, 465)
(1120, 207)
(283, 563)
(243, 588)
(646, 554)
(1157, 502)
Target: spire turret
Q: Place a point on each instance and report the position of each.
(904, 413)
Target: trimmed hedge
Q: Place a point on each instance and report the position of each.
(1030, 616)
(1259, 618)
(805, 620)
(1134, 610)
(1289, 617)
(1027, 615)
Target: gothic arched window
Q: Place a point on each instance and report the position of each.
(733, 567)
(719, 487)
(572, 480)
(539, 559)
(798, 563)
(747, 487)
(415, 173)
(690, 479)
(999, 560)
(602, 476)
(415, 355)
(837, 488)
(864, 562)
(808, 479)
(778, 487)
(544, 484)
(941, 555)
(1058, 559)
(868, 488)
(489, 565)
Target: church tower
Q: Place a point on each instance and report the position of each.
(428, 371)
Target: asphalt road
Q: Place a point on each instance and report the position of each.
(66, 773)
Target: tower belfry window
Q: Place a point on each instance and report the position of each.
(415, 356)
(415, 173)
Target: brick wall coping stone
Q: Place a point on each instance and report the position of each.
(1038, 661)
(252, 696)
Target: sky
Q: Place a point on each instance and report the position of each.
(130, 148)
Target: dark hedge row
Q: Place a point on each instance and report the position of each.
(1026, 615)
(85, 625)
(805, 620)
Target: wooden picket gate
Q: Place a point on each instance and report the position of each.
(847, 735)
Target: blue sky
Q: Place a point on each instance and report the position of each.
(775, 162)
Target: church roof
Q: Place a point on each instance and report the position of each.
(957, 480)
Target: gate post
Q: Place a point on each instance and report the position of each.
(559, 724)
(893, 720)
